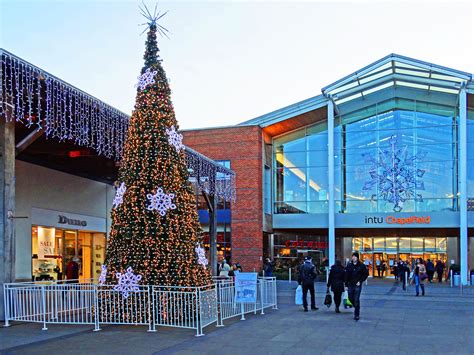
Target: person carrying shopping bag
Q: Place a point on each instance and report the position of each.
(356, 274)
(336, 279)
(306, 277)
(419, 277)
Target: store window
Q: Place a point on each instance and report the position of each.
(53, 248)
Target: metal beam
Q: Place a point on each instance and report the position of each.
(331, 190)
(463, 240)
(28, 140)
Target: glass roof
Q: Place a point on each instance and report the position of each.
(395, 70)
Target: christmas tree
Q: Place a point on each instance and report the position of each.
(155, 232)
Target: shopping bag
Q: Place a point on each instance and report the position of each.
(299, 296)
(328, 299)
(347, 303)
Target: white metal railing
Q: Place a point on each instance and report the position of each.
(50, 302)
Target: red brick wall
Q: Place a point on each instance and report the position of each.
(243, 147)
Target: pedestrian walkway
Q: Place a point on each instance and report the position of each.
(392, 322)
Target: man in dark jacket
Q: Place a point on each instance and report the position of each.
(336, 279)
(430, 269)
(306, 277)
(356, 274)
(440, 270)
(403, 273)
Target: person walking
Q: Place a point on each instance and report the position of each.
(268, 268)
(395, 270)
(430, 269)
(420, 276)
(72, 271)
(337, 277)
(306, 277)
(440, 270)
(356, 274)
(403, 273)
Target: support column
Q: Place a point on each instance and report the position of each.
(331, 221)
(463, 241)
(213, 234)
(7, 205)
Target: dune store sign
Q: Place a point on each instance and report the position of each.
(394, 220)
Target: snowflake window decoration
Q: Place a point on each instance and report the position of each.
(128, 282)
(175, 139)
(201, 255)
(147, 78)
(161, 202)
(118, 199)
(103, 274)
(395, 175)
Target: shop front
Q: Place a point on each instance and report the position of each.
(288, 250)
(59, 237)
(380, 254)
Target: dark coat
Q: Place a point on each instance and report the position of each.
(430, 266)
(337, 277)
(356, 273)
(307, 274)
(439, 267)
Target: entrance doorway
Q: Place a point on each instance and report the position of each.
(380, 254)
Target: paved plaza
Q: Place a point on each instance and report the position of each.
(392, 322)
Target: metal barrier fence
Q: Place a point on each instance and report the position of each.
(168, 306)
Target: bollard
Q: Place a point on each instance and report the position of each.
(289, 275)
(406, 282)
(451, 278)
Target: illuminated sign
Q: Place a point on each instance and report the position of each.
(397, 220)
(306, 244)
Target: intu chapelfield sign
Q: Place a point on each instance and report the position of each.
(397, 220)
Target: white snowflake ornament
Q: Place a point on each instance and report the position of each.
(103, 274)
(175, 139)
(128, 282)
(118, 199)
(161, 202)
(201, 255)
(147, 78)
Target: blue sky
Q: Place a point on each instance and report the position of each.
(232, 61)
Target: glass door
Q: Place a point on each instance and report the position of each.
(70, 246)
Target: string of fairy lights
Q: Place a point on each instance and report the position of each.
(40, 100)
(155, 233)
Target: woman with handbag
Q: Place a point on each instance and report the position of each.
(336, 279)
(420, 276)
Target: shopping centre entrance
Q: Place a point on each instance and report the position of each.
(380, 253)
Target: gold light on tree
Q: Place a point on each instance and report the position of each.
(155, 228)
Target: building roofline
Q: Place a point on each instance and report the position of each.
(216, 127)
(397, 57)
(287, 112)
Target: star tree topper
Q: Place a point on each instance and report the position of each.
(128, 282)
(161, 202)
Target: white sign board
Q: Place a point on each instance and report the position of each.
(66, 220)
(246, 287)
(45, 242)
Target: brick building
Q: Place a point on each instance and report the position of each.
(242, 146)
(380, 163)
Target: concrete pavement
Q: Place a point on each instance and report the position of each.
(392, 321)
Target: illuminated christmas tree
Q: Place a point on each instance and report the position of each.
(155, 235)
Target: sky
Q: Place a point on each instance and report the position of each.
(231, 61)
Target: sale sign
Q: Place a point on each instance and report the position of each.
(45, 242)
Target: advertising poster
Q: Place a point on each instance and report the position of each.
(246, 287)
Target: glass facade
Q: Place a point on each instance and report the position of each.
(300, 171)
(470, 159)
(413, 143)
